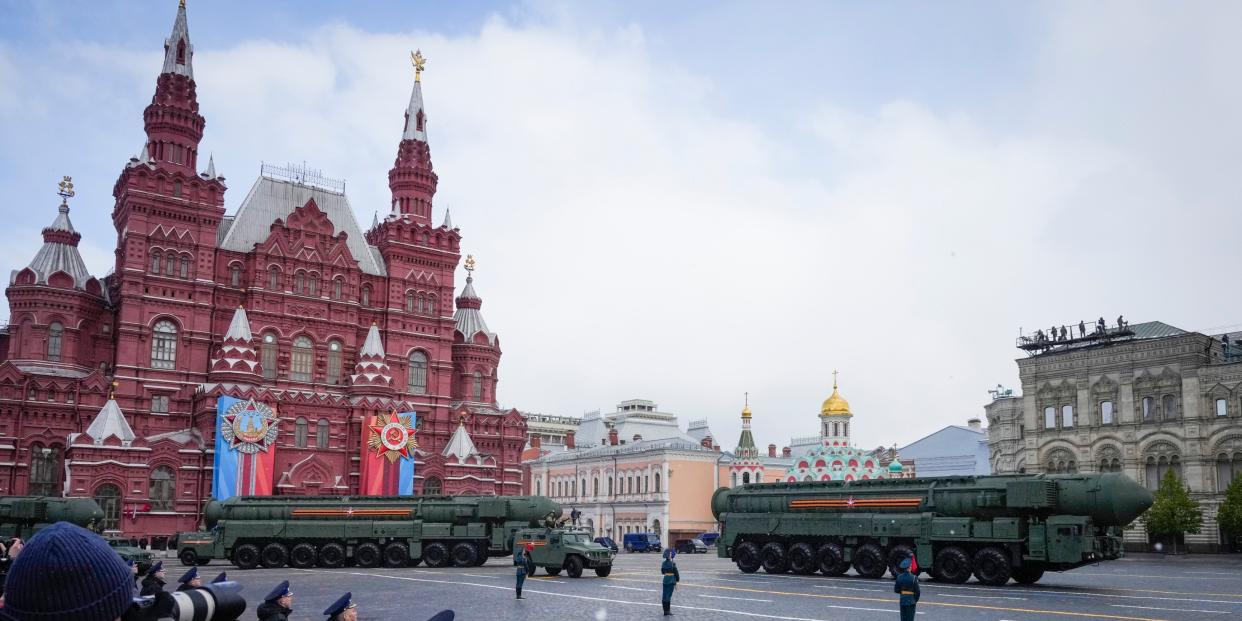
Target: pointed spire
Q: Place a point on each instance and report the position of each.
(110, 423)
(211, 167)
(236, 356)
(448, 219)
(178, 52)
(375, 219)
(373, 346)
(468, 317)
(239, 327)
(460, 445)
(371, 373)
(146, 154)
(60, 246)
(415, 115)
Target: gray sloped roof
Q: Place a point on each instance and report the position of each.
(1154, 329)
(270, 199)
(56, 256)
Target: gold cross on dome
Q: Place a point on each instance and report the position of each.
(66, 189)
(834, 379)
(419, 61)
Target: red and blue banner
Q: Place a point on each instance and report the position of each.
(387, 466)
(245, 462)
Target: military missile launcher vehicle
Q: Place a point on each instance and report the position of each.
(330, 531)
(994, 527)
(23, 516)
(571, 550)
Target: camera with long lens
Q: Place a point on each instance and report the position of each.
(221, 601)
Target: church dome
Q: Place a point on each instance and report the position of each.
(895, 466)
(835, 404)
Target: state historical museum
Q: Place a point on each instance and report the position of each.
(288, 302)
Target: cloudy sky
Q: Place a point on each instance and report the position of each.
(685, 203)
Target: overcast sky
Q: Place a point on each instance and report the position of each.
(684, 203)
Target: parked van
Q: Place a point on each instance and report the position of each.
(709, 539)
(641, 542)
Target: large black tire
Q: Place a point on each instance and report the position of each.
(573, 567)
(603, 572)
(368, 555)
(482, 547)
(992, 567)
(802, 559)
(465, 555)
(553, 571)
(274, 555)
(951, 565)
(331, 555)
(246, 556)
(1029, 573)
(303, 555)
(436, 555)
(831, 560)
(775, 560)
(747, 558)
(188, 557)
(869, 561)
(396, 555)
(896, 555)
(203, 561)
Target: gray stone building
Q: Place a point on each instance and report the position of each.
(1140, 399)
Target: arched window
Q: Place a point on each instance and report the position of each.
(321, 433)
(419, 305)
(478, 386)
(163, 489)
(185, 267)
(273, 278)
(235, 276)
(418, 373)
(1228, 468)
(299, 282)
(338, 288)
(409, 302)
(170, 264)
(54, 333)
(595, 486)
(45, 471)
(657, 483)
(334, 362)
(268, 355)
(156, 262)
(1169, 411)
(1151, 474)
(538, 487)
(431, 304)
(432, 487)
(302, 359)
(109, 498)
(1149, 408)
(312, 284)
(1106, 412)
(365, 297)
(1050, 417)
(745, 478)
(1067, 416)
(610, 486)
(164, 345)
(300, 429)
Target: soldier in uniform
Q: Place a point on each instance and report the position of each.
(277, 605)
(342, 609)
(907, 585)
(154, 582)
(189, 580)
(525, 566)
(671, 578)
(133, 570)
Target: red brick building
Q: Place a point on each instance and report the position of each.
(337, 324)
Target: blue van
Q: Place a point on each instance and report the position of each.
(641, 542)
(709, 539)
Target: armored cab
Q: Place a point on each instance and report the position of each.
(994, 527)
(330, 531)
(571, 550)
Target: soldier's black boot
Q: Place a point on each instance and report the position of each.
(519, 595)
(667, 612)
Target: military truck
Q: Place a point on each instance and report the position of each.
(130, 552)
(23, 516)
(571, 550)
(330, 531)
(994, 527)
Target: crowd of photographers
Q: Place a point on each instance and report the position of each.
(68, 573)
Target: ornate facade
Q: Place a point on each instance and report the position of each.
(1154, 399)
(287, 301)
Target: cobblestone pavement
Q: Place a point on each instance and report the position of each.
(1143, 588)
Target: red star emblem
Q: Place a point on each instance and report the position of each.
(349, 512)
(393, 433)
(849, 502)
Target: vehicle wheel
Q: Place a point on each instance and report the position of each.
(869, 561)
(246, 556)
(331, 555)
(303, 555)
(465, 555)
(554, 571)
(482, 548)
(832, 560)
(992, 567)
(274, 555)
(951, 565)
(396, 555)
(436, 555)
(367, 555)
(603, 572)
(202, 561)
(775, 561)
(747, 558)
(188, 557)
(802, 559)
(896, 555)
(573, 567)
(1028, 574)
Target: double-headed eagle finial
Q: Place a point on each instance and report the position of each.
(420, 62)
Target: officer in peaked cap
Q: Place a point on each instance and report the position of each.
(190, 580)
(135, 577)
(223, 577)
(907, 586)
(154, 582)
(277, 605)
(342, 609)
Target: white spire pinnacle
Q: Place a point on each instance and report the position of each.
(211, 167)
(146, 154)
(239, 328)
(415, 116)
(375, 219)
(177, 49)
(110, 422)
(460, 445)
(373, 346)
(448, 219)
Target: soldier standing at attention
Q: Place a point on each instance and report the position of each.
(277, 605)
(671, 578)
(343, 609)
(907, 585)
(154, 582)
(190, 580)
(525, 566)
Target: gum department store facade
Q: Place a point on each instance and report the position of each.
(166, 330)
(1159, 398)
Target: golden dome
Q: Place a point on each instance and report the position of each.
(835, 404)
(746, 409)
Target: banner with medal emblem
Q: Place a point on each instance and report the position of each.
(245, 448)
(388, 455)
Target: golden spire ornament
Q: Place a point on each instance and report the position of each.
(66, 189)
(470, 264)
(420, 62)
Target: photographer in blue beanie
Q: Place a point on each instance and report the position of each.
(67, 573)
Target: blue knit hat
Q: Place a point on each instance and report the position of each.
(67, 572)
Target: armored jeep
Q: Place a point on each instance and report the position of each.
(130, 552)
(557, 549)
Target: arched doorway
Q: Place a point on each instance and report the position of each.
(45, 468)
(655, 528)
(432, 486)
(109, 498)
